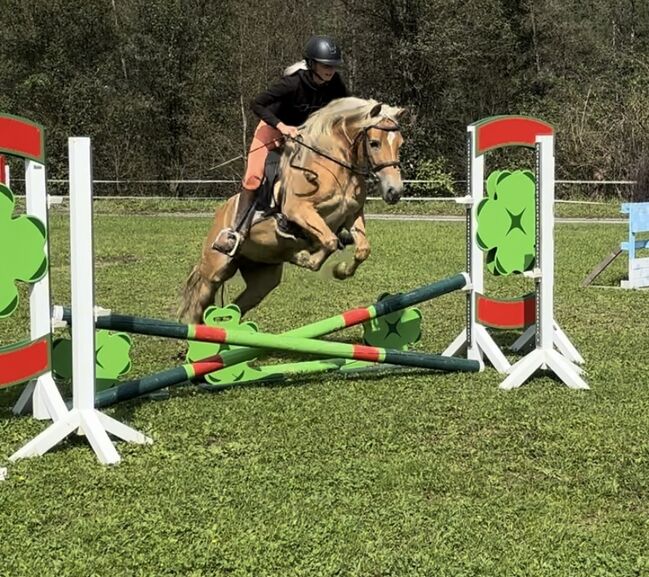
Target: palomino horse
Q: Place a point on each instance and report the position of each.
(321, 188)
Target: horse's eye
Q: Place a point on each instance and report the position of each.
(375, 144)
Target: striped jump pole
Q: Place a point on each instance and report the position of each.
(286, 342)
(151, 383)
(344, 320)
(190, 371)
(353, 317)
(320, 328)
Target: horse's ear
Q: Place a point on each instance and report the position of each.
(395, 112)
(376, 110)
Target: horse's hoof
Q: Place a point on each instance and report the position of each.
(340, 271)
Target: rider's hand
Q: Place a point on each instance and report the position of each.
(286, 130)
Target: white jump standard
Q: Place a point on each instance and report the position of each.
(553, 350)
(83, 417)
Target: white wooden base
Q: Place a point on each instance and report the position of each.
(561, 341)
(563, 362)
(634, 284)
(484, 346)
(638, 273)
(549, 360)
(89, 422)
(42, 397)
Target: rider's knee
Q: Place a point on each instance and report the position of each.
(252, 181)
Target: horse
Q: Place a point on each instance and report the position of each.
(321, 188)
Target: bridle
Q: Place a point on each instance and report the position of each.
(370, 169)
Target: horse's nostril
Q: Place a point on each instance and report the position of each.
(392, 195)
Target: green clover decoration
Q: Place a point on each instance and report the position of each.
(112, 354)
(228, 317)
(22, 251)
(396, 330)
(507, 222)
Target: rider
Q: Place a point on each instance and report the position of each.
(281, 109)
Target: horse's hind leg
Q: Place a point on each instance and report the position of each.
(200, 287)
(260, 281)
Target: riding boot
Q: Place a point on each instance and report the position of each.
(229, 240)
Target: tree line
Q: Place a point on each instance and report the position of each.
(163, 86)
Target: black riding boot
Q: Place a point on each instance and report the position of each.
(229, 240)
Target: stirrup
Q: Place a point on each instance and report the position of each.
(238, 239)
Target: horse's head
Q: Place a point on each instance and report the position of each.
(360, 136)
(381, 142)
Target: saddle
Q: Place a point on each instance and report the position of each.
(269, 206)
(265, 197)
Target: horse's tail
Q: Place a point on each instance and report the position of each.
(212, 270)
(198, 293)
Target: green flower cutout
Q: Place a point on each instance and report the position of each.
(22, 251)
(228, 317)
(507, 222)
(396, 330)
(242, 373)
(112, 354)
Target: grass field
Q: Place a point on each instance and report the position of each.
(408, 475)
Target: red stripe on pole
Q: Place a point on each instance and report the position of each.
(510, 131)
(356, 316)
(20, 137)
(506, 314)
(365, 353)
(210, 334)
(207, 366)
(24, 362)
(3, 169)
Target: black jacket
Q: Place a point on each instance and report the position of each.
(295, 97)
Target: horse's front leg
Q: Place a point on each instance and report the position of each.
(315, 226)
(344, 270)
(311, 260)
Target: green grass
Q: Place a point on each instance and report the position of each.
(415, 474)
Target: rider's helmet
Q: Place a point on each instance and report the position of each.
(322, 49)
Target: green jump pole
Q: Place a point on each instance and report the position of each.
(353, 317)
(204, 333)
(347, 319)
(283, 371)
(138, 387)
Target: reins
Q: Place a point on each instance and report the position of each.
(369, 170)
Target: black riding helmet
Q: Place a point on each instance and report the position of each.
(323, 49)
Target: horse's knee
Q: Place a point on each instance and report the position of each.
(331, 244)
(362, 254)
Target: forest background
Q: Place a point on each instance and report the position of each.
(163, 86)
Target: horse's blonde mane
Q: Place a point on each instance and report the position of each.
(351, 109)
